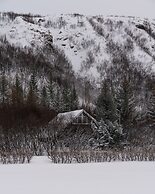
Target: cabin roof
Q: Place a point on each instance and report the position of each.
(68, 117)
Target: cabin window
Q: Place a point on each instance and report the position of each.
(85, 119)
(82, 119)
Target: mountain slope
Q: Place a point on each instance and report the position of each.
(80, 51)
(85, 40)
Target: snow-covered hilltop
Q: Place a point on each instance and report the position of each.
(23, 33)
(85, 40)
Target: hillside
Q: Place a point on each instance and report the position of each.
(84, 39)
(78, 51)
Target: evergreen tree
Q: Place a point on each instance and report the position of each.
(44, 97)
(55, 96)
(74, 99)
(151, 107)
(106, 134)
(4, 89)
(66, 95)
(32, 97)
(105, 106)
(126, 104)
(17, 93)
(70, 98)
(59, 102)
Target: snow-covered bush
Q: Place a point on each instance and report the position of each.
(106, 134)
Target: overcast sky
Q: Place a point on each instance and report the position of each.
(142, 8)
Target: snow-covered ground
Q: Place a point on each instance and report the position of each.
(43, 177)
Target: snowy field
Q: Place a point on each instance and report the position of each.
(42, 177)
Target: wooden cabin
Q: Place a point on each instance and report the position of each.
(73, 125)
(77, 118)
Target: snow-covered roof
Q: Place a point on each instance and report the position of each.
(68, 117)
